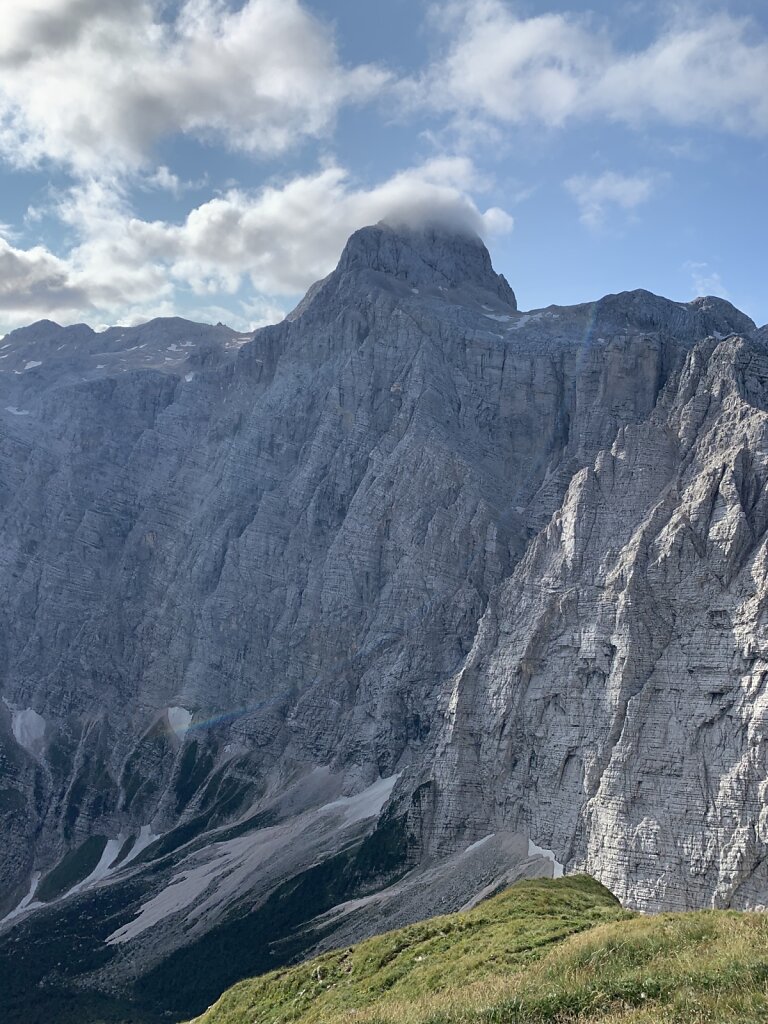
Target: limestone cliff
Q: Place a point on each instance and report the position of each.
(408, 569)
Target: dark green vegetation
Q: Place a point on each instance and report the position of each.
(33, 987)
(542, 951)
(35, 990)
(145, 768)
(274, 933)
(74, 867)
(194, 770)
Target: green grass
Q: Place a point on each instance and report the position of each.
(543, 952)
(502, 935)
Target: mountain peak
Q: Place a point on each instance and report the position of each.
(432, 256)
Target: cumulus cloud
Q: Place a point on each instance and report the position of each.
(275, 240)
(35, 27)
(35, 283)
(282, 237)
(512, 69)
(552, 68)
(93, 84)
(596, 195)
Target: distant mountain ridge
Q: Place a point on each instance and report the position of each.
(323, 628)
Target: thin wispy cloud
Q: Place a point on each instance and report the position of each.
(597, 196)
(705, 280)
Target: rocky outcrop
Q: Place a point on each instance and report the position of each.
(509, 566)
(616, 690)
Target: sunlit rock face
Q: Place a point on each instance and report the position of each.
(508, 566)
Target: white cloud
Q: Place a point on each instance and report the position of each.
(276, 240)
(34, 283)
(705, 280)
(513, 69)
(552, 68)
(93, 84)
(164, 180)
(283, 238)
(710, 71)
(595, 196)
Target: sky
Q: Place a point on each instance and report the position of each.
(209, 158)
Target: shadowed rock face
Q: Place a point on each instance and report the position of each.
(512, 563)
(430, 258)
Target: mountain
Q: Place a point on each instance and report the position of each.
(318, 630)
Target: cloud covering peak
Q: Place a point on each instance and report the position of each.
(278, 239)
(211, 157)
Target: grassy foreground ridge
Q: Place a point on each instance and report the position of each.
(543, 951)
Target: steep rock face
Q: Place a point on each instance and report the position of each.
(507, 566)
(616, 689)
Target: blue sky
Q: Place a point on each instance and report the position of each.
(208, 158)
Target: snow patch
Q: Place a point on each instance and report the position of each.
(16, 412)
(32, 364)
(26, 903)
(557, 869)
(520, 322)
(234, 863)
(145, 839)
(101, 870)
(189, 377)
(497, 316)
(179, 719)
(28, 728)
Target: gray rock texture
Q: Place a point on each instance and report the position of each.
(511, 567)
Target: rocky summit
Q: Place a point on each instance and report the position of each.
(317, 630)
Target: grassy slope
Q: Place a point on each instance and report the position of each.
(542, 951)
